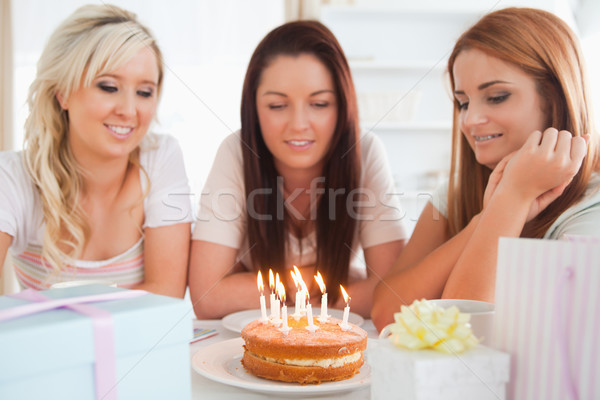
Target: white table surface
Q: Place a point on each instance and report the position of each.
(204, 388)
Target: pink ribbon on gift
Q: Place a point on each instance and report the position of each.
(560, 327)
(104, 339)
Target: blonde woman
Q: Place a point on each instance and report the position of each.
(93, 195)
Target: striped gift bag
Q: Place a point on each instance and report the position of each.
(548, 317)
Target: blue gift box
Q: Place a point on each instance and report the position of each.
(50, 355)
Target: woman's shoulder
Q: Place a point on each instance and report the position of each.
(11, 158)
(374, 159)
(232, 144)
(372, 151)
(593, 187)
(12, 164)
(229, 153)
(159, 150)
(591, 198)
(581, 218)
(370, 142)
(20, 211)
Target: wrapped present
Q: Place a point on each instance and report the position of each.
(396, 373)
(548, 316)
(432, 354)
(101, 342)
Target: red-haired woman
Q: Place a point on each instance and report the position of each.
(297, 186)
(524, 159)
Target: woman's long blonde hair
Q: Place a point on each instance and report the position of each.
(543, 46)
(94, 40)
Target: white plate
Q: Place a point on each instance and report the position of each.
(220, 362)
(238, 320)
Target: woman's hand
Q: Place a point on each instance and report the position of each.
(494, 179)
(539, 171)
(537, 206)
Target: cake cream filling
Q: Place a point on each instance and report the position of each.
(321, 362)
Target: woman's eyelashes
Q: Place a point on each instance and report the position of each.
(498, 99)
(320, 104)
(463, 105)
(145, 93)
(107, 87)
(111, 88)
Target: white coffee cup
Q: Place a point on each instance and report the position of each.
(482, 315)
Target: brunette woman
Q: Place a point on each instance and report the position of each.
(297, 186)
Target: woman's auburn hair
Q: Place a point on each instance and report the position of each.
(95, 39)
(544, 47)
(335, 228)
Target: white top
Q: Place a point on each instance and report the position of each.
(583, 218)
(21, 215)
(222, 215)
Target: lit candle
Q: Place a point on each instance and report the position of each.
(263, 307)
(272, 287)
(304, 290)
(344, 324)
(311, 326)
(305, 301)
(321, 283)
(275, 313)
(281, 292)
(297, 306)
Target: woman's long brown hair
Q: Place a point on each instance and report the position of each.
(268, 227)
(544, 47)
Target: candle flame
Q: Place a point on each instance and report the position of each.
(281, 292)
(298, 274)
(320, 282)
(346, 297)
(305, 289)
(301, 281)
(294, 278)
(259, 283)
(271, 280)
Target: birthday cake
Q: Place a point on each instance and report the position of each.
(325, 354)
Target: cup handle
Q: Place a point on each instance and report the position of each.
(385, 332)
